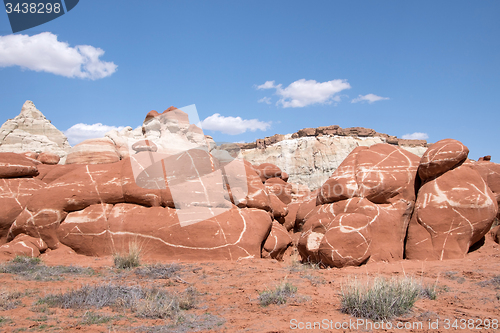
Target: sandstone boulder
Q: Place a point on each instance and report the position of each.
(381, 173)
(14, 165)
(101, 230)
(277, 242)
(452, 213)
(48, 158)
(22, 245)
(441, 157)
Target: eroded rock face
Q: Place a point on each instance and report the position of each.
(452, 213)
(31, 131)
(14, 195)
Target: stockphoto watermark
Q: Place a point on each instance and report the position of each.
(464, 324)
(28, 14)
(173, 154)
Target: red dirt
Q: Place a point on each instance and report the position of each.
(230, 291)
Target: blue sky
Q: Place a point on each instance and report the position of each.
(399, 67)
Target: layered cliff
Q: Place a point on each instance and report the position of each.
(311, 155)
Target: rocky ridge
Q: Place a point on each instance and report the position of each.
(311, 155)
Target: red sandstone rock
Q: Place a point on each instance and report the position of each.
(16, 165)
(347, 241)
(277, 242)
(267, 170)
(381, 173)
(48, 158)
(441, 157)
(452, 213)
(278, 207)
(289, 220)
(490, 172)
(495, 233)
(22, 245)
(14, 195)
(101, 230)
(280, 188)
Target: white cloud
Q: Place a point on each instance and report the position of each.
(370, 98)
(80, 132)
(268, 85)
(266, 100)
(416, 136)
(44, 53)
(306, 92)
(233, 125)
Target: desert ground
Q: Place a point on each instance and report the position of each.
(224, 296)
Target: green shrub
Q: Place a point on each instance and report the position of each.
(279, 295)
(379, 299)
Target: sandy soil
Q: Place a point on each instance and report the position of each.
(228, 296)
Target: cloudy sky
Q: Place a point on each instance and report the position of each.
(414, 69)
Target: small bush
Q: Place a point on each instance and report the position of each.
(429, 291)
(381, 299)
(280, 295)
(27, 260)
(128, 260)
(9, 300)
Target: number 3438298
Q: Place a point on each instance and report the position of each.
(33, 8)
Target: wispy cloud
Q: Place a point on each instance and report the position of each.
(416, 136)
(304, 92)
(266, 100)
(44, 53)
(370, 98)
(233, 125)
(80, 132)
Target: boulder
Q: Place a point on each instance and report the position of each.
(280, 188)
(277, 242)
(441, 157)
(495, 233)
(452, 213)
(102, 230)
(48, 158)
(14, 165)
(22, 245)
(267, 171)
(381, 173)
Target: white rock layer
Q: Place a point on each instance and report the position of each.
(30, 131)
(311, 160)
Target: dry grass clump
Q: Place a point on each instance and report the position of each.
(279, 295)
(130, 259)
(143, 302)
(158, 271)
(33, 269)
(380, 299)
